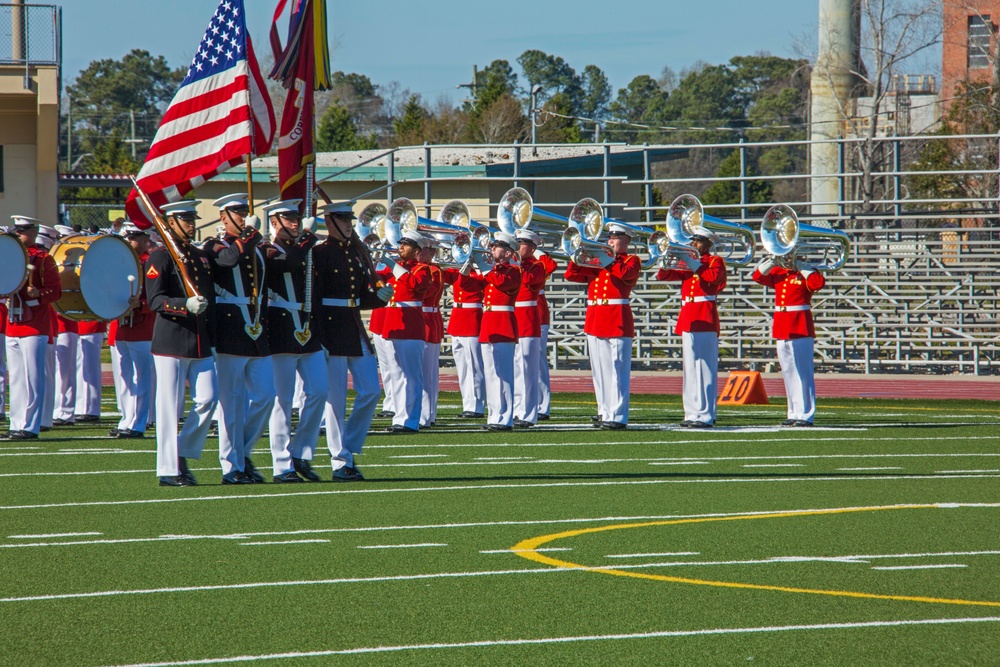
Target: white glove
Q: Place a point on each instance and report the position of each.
(605, 260)
(806, 273)
(385, 293)
(196, 305)
(692, 263)
(309, 224)
(253, 221)
(765, 267)
(479, 259)
(539, 253)
(466, 268)
(387, 261)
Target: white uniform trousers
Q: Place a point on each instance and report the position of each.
(796, 359)
(133, 364)
(345, 436)
(67, 350)
(116, 376)
(611, 367)
(544, 388)
(498, 366)
(526, 363)
(48, 405)
(288, 368)
(171, 373)
(701, 375)
(468, 356)
(431, 365)
(384, 354)
(406, 380)
(3, 374)
(300, 393)
(26, 367)
(88, 374)
(246, 396)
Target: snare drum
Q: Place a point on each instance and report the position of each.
(13, 264)
(99, 274)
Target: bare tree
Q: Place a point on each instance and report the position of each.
(502, 122)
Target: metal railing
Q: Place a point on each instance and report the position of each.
(30, 35)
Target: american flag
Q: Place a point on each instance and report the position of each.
(220, 114)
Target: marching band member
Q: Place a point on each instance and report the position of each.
(90, 337)
(498, 334)
(464, 324)
(544, 387)
(403, 330)
(794, 333)
(346, 284)
(376, 321)
(433, 334)
(130, 337)
(47, 237)
(243, 356)
(295, 345)
(64, 372)
(181, 346)
(609, 325)
(3, 362)
(29, 325)
(527, 354)
(698, 325)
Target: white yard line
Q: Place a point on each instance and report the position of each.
(45, 535)
(669, 553)
(267, 495)
(963, 472)
(919, 567)
(572, 639)
(402, 546)
(264, 544)
(420, 456)
(867, 469)
(774, 465)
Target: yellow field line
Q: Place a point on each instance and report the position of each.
(528, 549)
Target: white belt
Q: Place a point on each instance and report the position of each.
(277, 302)
(430, 309)
(404, 304)
(341, 303)
(500, 309)
(607, 302)
(541, 292)
(469, 305)
(792, 309)
(31, 302)
(525, 304)
(699, 299)
(232, 300)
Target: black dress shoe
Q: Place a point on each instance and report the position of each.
(20, 435)
(304, 469)
(543, 418)
(126, 434)
(612, 426)
(802, 423)
(44, 429)
(686, 423)
(468, 414)
(596, 419)
(520, 423)
(789, 422)
(347, 474)
(386, 414)
(499, 427)
(185, 472)
(175, 480)
(700, 425)
(399, 428)
(85, 418)
(236, 477)
(287, 478)
(250, 470)
(63, 422)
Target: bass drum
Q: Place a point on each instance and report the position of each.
(13, 264)
(99, 274)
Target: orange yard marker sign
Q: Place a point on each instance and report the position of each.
(744, 388)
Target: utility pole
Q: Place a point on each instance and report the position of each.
(474, 86)
(69, 133)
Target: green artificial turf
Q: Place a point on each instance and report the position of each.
(414, 565)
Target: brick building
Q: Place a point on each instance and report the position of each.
(969, 43)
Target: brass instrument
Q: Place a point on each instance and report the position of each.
(736, 242)
(659, 248)
(580, 250)
(786, 240)
(517, 211)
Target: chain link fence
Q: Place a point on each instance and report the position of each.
(30, 34)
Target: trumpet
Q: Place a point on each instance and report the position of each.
(786, 239)
(736, 241)
(580, 250)
(517, 211)
(658, 245)
(456, 213)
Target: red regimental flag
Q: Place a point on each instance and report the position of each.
(221, 113)
(295, 141)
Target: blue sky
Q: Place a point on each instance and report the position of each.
(429, 47)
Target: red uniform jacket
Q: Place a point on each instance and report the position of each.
(3, 319)
(137, 326)
(499, 322)
(64, 325)
(529, 317)
(376, 323)
(465, 322)
(698, 291)
(91, 327)
(35, 318)
(614, 283)
(791, 288)
(543, 304)
(433, 321)
(404, 317)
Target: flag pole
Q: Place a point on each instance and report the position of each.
(249, 184)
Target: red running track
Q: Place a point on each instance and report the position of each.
(827, 386)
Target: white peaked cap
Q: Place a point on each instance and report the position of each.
(237, 200)
(340, 208)
(281, 206)
(184, 206)
(704, 233)
(528, 235)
